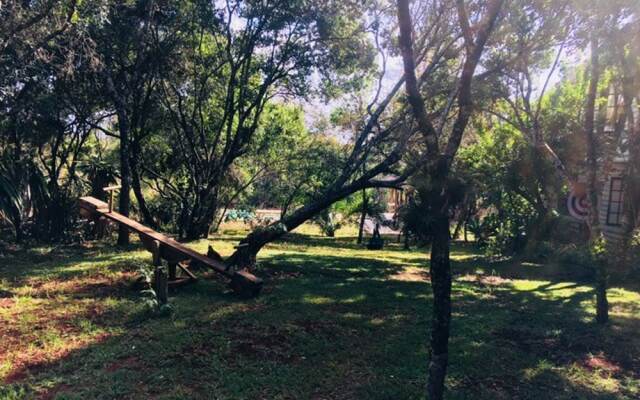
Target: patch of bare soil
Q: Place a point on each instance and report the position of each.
(33, 361)
(274, 272)
(411, 274)
(314, 327)
(98, 286)
(23, 345)
(500, 387)
(6, 303)
(565, 350)
(601, 363)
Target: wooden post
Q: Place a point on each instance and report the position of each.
(172, 271)
(160, 284)
(152, 246)
(155, 253)
(110, 190)
(101, 227)
(245, 284)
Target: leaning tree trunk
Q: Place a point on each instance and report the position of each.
(250, 246)
(602, 304)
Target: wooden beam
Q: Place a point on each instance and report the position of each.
(243, 282)
(187, 271)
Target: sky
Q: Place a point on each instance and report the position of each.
(315, 109)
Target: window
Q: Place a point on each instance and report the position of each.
(614, 210)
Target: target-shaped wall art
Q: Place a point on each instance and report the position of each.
(577, 202)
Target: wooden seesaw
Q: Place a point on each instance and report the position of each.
(165, 248)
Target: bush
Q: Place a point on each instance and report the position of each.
(573, 254)
(329, 222)
(239, 215)
(166, 212)
(634, 251)
(541, 251)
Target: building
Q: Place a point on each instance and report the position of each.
(613, 171)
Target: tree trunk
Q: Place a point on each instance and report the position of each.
(120, 106)
(147, 218)
(125, 174)
(459, 224)
(363, 216)
(18, 229)
(440, 270)
(245, 255)
(201, 217)
(438, 168)
(602, 306)
(466, 231)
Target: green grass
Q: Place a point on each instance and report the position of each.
(334, 321)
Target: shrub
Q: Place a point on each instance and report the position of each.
(239, 215)
(634, 251)
(573, 254)
(329, 222)
(541, 251)
(166, 212)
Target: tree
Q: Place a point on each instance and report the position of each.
(607, 28)
(437, 167)
(238, 57)
(497, 170)
(30, 53)
(516, 99)
(602, 306)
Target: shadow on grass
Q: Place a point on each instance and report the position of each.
(336, 327)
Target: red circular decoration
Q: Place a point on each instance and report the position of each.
(578, 205)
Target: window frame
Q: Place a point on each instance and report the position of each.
(614, 218)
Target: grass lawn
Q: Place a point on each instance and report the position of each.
(334, 321)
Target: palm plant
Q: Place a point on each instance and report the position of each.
(23, 192)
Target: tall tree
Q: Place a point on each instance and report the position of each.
(439, 158)
(540, 41)
(132, 42)
(602, 306)
(29, 57)
(238, 57)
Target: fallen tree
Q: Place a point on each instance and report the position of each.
(379, 147)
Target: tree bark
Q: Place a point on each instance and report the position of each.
(437, 170)
(137, 187)
(124, 204)
(201, 217)
(440, 270)
(363, 216)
